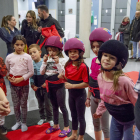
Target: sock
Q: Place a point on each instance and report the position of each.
(16, 126)
(24, 127)
(41, 121)
(51, 123)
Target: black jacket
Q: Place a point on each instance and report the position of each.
(31, 35)
(135, 30)
(51, 21)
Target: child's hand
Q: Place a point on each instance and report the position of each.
(16, 80)
(87, 103)
(34, 88)
(44, 85)
(4, 108)
(61, 76)
(56, 59)
(45, 58)
(134, 126)
(95, 116)
(68, 85)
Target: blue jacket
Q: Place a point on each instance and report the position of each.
(8, 37)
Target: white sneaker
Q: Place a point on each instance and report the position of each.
(24, 127)
(51, 123)
(41, 121)
(16, 126)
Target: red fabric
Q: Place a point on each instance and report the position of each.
(81, 74)
(125, 23)
(53, 82)
(22, 83)
(133, 75)
(48, 32)
(92, 90)
(36, 132)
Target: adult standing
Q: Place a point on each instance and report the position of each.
(29, 28)
(47, 20)
(125, 31)
(8, 31)
(135, 35)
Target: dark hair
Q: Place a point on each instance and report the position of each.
(43, 8)
(99, 42)
(5, 20)
(18, 37)
(80, 60)
(34, 46)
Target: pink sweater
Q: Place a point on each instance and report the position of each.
(20, 65)
(124, 95)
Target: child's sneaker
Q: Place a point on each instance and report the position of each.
(24, 127)
(3, 130)
(41, 121)
(16, 126)
(51, 123)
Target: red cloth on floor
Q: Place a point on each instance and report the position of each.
(36, 132)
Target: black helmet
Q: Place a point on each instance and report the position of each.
(117, 49)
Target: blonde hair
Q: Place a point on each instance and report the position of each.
(34, 46)
(5, 20)
(59, 52)
(33, 15)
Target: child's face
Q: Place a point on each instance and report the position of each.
(52, 52)
(95, 47)
(73, 54)
(19, 46)
(108, 61)
(35, 54)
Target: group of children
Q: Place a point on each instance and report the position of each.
(109, 90)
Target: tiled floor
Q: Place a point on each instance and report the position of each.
(32, 102)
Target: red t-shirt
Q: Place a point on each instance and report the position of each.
(81, 74)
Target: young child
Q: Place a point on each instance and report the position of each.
(116, 90)
(52, 65)
(20, 69)
(77, 76)
(37, 81)
(97, 38)
(3, 72)
(137, 111)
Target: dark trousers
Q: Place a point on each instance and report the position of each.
(57, 96)
(77, 98)
(44, 104)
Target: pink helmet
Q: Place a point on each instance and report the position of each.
(54, 41)
(100, 34)
(74, 43)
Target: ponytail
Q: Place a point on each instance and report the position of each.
(4, 22)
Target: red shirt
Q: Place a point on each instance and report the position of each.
(81, 74)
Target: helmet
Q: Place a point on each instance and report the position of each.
(100, 34)
(54, 41)
(74, 43)
(117, 49)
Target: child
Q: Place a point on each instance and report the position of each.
(137, 111)
(20, 69)
(97, 38)
(3, 72)
(116, 90)
(52, 66)
(37, 81)
(76, 73)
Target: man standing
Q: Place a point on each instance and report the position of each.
(135, 35)
(47, 20)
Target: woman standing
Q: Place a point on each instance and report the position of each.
(125, 31)
(8, 31)
(29, 28)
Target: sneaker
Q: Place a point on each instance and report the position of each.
(138, 59)
(51, 123)
(41, 121)
(3, 130)
(132, 57)
(24, 127)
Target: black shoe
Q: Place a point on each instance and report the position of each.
(138, 59)
(3, 130)
(132, 57)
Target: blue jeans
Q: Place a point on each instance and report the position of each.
(137, 134)
(119, 130)
(135, 49)
(122, 37)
